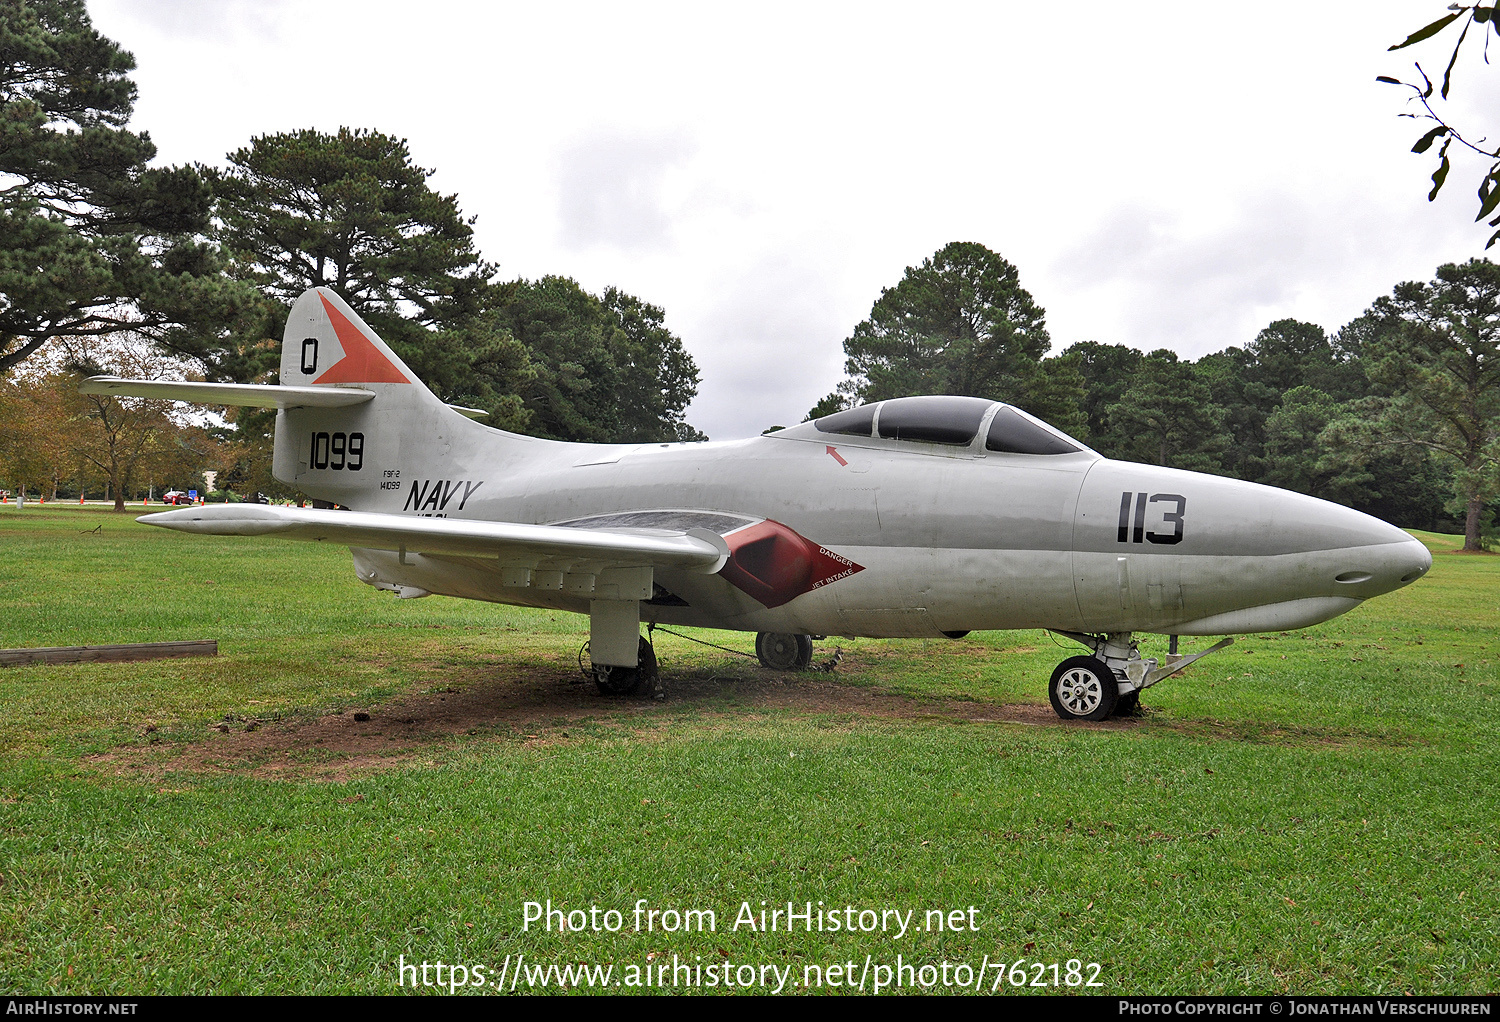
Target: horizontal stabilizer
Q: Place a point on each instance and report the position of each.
(244, 395)
(511, 542)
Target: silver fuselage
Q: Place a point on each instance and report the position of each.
(951, 539)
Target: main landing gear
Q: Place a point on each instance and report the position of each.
(782, 651)
(1110, 682)
(624, 681)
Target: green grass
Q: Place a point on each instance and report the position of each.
(1312, 812)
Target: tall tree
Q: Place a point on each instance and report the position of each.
(1248, 383)
(1245, 404)
(1295, 457)
(92, 239)
(27, 460)
(353, 212)
(1054, 392)
(1107, 370)
(960, 323)
(658, 378)
(1440, 359)
(48, 429)
(1290, 353)
(604, 370)
(1167, 416)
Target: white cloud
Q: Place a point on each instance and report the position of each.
(768, 347)
(1177, 175)
(612, 189)
(1155, 279)
(249, 20)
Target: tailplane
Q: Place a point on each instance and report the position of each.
(350, 414)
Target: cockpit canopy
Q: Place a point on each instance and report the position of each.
(954, 421)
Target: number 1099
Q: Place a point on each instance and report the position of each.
(337, 451)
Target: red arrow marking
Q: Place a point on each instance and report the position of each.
(362, 361)
(836, 457)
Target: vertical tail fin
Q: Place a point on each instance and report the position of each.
(326, 342)
(354, 455)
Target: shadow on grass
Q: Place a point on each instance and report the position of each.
(520, 702)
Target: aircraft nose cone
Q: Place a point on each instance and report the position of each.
(1416, 559)
(1347, 553)
(1390, 560)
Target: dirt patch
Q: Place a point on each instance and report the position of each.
(531, 704)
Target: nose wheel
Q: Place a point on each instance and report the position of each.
(1083, 688)
(1088, 687)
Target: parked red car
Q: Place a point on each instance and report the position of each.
(176, 497)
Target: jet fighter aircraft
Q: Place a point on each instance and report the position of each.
(918, 516)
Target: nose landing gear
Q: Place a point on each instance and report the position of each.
(1083, 688)
(1111, 681)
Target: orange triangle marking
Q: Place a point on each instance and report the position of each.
(362, 361)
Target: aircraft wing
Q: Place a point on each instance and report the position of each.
(693, 549)
(245, 395)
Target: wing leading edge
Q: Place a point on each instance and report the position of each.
(692, 550)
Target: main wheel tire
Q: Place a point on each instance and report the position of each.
(624, 681)
(1083, 688)
(782, 651)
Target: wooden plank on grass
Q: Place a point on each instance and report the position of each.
(107, 654)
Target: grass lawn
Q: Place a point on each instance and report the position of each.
(1309, 812)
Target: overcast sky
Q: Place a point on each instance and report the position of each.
(1163, 174)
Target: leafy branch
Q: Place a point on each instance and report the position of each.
(1488, 18)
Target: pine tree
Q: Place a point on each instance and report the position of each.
(92, 239)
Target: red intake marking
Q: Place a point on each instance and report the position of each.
(774, 565)
(362, 361)
(836, 456)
